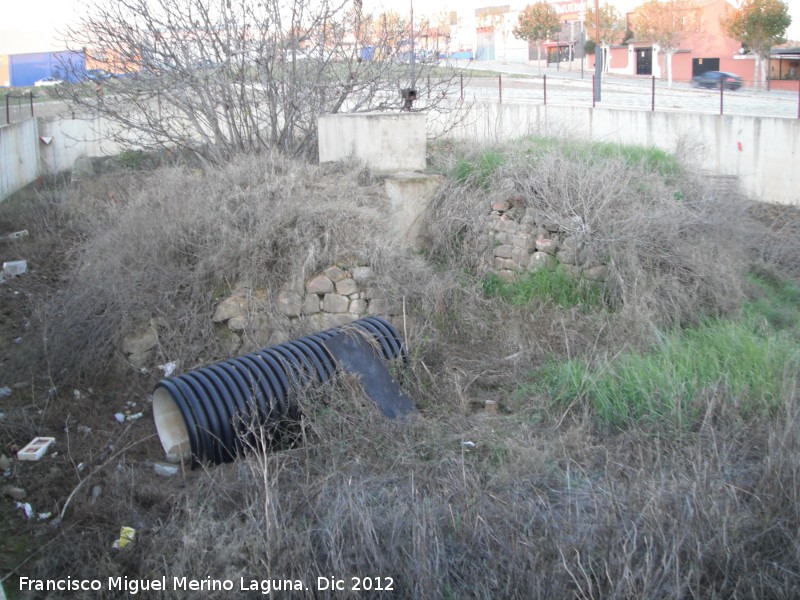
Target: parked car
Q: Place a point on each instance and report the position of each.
(47, 81)
(711, 79)
(97, 74)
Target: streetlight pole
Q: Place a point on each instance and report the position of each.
(598, 52)
(413, 58)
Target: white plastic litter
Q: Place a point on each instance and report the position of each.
(36, 448)
(469, 444)
(134, 417)
(120, 417)
(5, 391)
(168, 368)
(26, 508)
(15, 267)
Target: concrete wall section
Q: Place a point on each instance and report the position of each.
(384, 142)
(71, 139)
(759, 150)
(19, 156)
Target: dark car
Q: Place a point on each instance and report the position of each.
(711, 79)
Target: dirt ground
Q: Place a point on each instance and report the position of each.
(72, 477)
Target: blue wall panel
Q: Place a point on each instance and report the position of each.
(28, 68)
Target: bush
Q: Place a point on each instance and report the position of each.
(672, 245)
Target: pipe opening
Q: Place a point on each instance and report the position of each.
(171, 426)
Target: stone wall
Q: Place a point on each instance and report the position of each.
(249, 318)
(519, 240)
(337, 295)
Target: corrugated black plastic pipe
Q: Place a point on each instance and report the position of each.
(208, 414)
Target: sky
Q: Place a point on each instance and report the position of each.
(27, 25)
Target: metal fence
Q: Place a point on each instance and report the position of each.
(17, 107)
(645, 94)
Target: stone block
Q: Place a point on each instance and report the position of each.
(335, 303)
(501, 205)
(523, 241)
(289, 303)
(507, 226)
(539, 260)
(363, 274)
(520, 257)
(378, 306)
(503, 251)
(504, 263)
(237, 323)
(334, 273)
(547, 245)
(357, 307)
(234, 306)
(345, 287)
(311, 304)
(319, 285)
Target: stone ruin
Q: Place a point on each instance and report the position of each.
(519, 240)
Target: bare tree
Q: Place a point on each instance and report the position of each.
(233, 76)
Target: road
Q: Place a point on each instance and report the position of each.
(521, 83)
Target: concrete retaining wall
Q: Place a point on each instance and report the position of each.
(385, 142)
(19, 156)
(761, 151)
(73, 139)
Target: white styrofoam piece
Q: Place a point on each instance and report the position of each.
(35, 448)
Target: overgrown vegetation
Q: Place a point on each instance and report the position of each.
(646, 443)
(547, 285)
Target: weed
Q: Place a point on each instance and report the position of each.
(546, 284)
(666, 384)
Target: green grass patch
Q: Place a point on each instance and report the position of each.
(754, 364)
(478, 170)
(650, 158)
(775, 300)
(547, 284)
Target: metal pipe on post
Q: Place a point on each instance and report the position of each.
(653, 96)
(8, 110)
(594, 90)
(544, 78)
(500, 86)
(721, 93)
(598, 54)
(412, 33)
(31, 99)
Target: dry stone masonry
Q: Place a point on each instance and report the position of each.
(337, 295)
(520, 240)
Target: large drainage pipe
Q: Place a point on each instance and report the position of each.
(209, 414)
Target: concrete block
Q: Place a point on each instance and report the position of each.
(409, 196)
(384, 142)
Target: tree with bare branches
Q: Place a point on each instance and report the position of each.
(240, 76)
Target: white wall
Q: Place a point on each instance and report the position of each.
(19, 156)
(762, 151)
(383, 141)
(73, 139)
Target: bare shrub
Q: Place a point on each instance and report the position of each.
(172, 243)
(523, 511)
(673, 248)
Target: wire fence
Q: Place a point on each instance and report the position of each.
(650, 94)
(17, 107)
